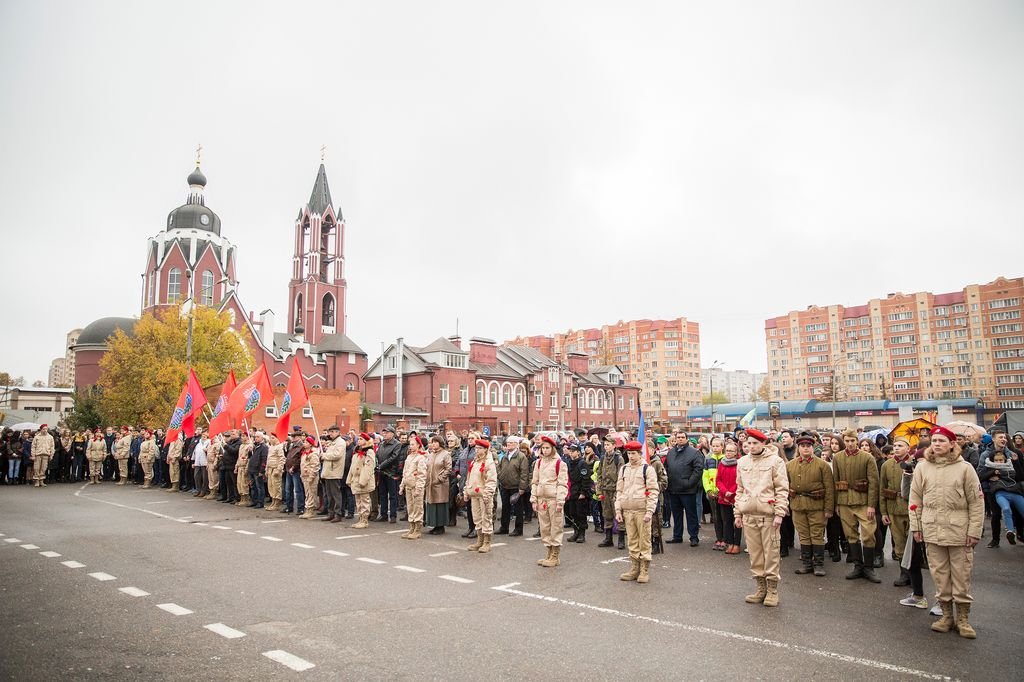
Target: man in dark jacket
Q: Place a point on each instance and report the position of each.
(685, 468)
(228, 460)
(256, 470)
(513, 480)
(294, 492)
(388, 460)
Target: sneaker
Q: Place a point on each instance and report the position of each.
(911, 600)
(1011, 537)
(936, 610)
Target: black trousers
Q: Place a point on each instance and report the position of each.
(787, 533)
(732, 534)
(228, 486)
(576, 512)
(508, 508)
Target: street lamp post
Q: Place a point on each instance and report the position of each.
(711, 379)
(191, 307)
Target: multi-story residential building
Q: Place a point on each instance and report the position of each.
(737, 385)
(62, 370)
(921, 346)
(508, 389)
(660, 357)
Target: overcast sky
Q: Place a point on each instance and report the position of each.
(524, 167)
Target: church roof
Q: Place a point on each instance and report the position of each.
(337, 343)
(320, 199)
(440, 345)
(97, 332)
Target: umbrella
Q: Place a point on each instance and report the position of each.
(24, 426)
(875, 433)
(968, 429)
(874, 427)
(599, 430)
(911, 430)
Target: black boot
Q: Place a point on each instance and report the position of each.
(903, 580)
(806, 565)
(622, 539)
(818, 559)
(784, 552)
(471, 533)
(857, 559)
(869, 565)
(879, 560)
(607, 542)
(583, 536)
(575, 535)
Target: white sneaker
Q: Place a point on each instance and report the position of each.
(936, 610)
(911, 600)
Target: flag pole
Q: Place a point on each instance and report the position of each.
(315, 427)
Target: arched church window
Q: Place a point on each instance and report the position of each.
(174, 285)
(206, 293)
(298, 311)
(328, 311)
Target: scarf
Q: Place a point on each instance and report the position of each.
(727, 461)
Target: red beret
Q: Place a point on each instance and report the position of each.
(943, 431)
(550, 441)
(310, 440)
(43, 426)
(419, 441)
(481, 443)
(124, 428)
(634, 446)
(757, 435)
(365, 436)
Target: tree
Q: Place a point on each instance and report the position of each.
(764, 391)
(86, 411)
(7, 380)
(716, 397)
(38, 383)
(827, 393)
(141, 375)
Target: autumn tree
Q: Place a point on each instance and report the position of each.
(85, 413)
(142, 374)
(716, 397)
(7, 380)
(764, 391)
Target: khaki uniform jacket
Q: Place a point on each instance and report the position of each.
(514, 471)
(481, 477)
(148, 451)
(439, 468)
(213, 454)
(174, 451)
(608, 475)
(97, 450)
(275, 460)
(334, 460)
(243, 457)
(122, 446)
(948, 500)
(659, 469)
(309, 466)
(891, 479)
(810, 476)
(851, 468)
(414, 475)
(762, 486)
(42, 444)
(360, 474)
(550, 480)
(634, 492)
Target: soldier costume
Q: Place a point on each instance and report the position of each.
(361, 479)
(213, 454)
(636, 498)
(309, 468)
(607, 479)
(96, 452)
(811, 503)
(241, 478)
(275, 470)
(413, 486)
(893, 505)
(42, 451)
(147, 455)
(856, 478)
(657, 546)
(481, 482)
(122, 448)
(762, 500)
(173, 462)
(548, 492)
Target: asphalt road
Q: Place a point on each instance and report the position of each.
(346, 604)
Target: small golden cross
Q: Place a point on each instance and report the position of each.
(323, 153)
(199, 152)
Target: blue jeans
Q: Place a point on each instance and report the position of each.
(388, 497)
(1008, 501)
(256, 489)
(13, 468)
(680, 503)
(294, 490)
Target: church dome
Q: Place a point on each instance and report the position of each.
(97, 332)
(196, 177)
(193, 217)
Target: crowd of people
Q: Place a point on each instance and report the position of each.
(839, 494)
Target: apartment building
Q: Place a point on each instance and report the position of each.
(738, 385)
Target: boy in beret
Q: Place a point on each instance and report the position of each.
(762, 500)
(811, 503)
(636, 498)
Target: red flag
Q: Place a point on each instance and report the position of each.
(295, 397)
(254, 391)
(221, 422)
(191, 400)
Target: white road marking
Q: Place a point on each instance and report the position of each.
(532, 539)
(276, 521)
(184, 518)
(349, 537)
(410, 569)
(400, 530)
(224, 630)
(615, 560)
(245, 532)
(443, 554)
(499, 544)
(762, 641)
(174, 609)
(302, 546)
(3, 535)
(456, 579)
(12, 540)
(367, 560)
(334, 552)
(134, 592)
(200, 523)
(102, 577)
(73, 564)
(159, 502)
(271, 538)
(291, 660)
(50, 555)
(223, 527)
(29, 546)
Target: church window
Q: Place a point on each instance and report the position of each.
(206, 293)
(174, 285)
(298, 311)
(328, 311)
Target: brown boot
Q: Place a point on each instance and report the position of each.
(633, 572)
(475, 547)
(762, 592)
(362, 522)
(243, 501)
(408, 534)
(552, 560)
(417, 530)
(543, 562)
(963, 611)
(308, 514)
(772, 597)
(944, 624)
(486, 547)
(276, 504)
(645, 567)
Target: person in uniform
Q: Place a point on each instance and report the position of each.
(607, 480)
(481, 483)
(580, 490)
(636, 497)
(947, 494)
(213, 454)
(275, 470)
(856, 478)
(240, 471)
(310, 469)
(812, 497)
(361, 479)
(893, 505)
(548, 492)
(657, 546)
(41, 450)
(148, 453)
(174, 451)
(122, 449)
(762, 500)
(413, 487)
(96, 452)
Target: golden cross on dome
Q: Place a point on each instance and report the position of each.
(323, 153)
(199, 152)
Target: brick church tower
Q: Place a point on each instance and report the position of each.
(316, 292)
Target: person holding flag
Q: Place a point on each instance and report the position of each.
(254, 392)
(220, 422)
(295, 397)
(191, 401)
